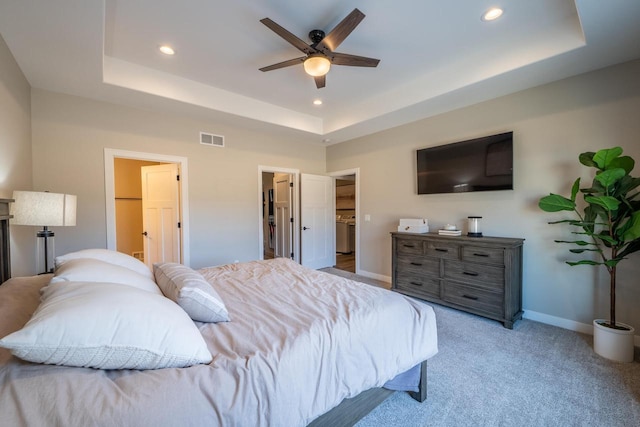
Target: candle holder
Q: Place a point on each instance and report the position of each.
(474, 226)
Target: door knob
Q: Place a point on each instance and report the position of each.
(144, 233)
(306, 228)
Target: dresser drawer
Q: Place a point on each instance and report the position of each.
(409, 247)
(419, 265)
(442, 249)
(487, 276)
(428, 287)
(473, 297)
(483, 255)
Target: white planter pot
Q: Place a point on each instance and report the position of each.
(613, 344)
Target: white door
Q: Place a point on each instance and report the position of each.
(161, 213)
(317, 206)
(282, 214)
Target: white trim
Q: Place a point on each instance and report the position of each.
(356, 172)
(571, 325)
(376, 276)
(110, 155)
(294, 204)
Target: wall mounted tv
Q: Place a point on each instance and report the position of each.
(481, 164)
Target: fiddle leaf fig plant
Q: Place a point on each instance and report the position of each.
(608, 229)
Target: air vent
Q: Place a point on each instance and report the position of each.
(211, 139)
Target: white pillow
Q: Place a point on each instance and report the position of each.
(94, 270)
(112, 257)
(108, 326)
(191, 291)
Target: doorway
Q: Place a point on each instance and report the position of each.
(279, 213)
(347, 224)
(111, 158)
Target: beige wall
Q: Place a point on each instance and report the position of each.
(552, 124)
(69, 137)
(15, 153)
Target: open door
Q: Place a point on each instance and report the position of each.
(317, 206)
(160, 213)
(282, 187)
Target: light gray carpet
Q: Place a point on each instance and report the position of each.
(533, 375)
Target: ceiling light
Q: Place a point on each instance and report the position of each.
(317, 65)
(317, 102)
(167, 50)
(492, 14)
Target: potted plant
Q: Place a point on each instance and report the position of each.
(608, 228)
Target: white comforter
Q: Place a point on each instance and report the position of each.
(298, 343)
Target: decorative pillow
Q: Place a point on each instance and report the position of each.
(112, 257)
(108, 326)
(191, 291)
(94, 270)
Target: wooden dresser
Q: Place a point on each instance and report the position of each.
(480, 275)
(5, 259)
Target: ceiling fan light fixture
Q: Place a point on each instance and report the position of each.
(317, 65)
(492, 14)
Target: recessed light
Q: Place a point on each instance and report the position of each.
(492, 14)
(167, 50)
(317, 102)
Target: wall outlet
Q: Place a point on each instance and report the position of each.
(367, 217)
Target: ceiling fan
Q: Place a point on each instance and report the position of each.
(320, 54)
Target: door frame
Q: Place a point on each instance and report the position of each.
(356, 172)
(110, 154)
(295, 209)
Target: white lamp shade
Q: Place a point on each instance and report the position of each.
(43, 209)
(317, 65)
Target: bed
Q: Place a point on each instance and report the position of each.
(298, 348)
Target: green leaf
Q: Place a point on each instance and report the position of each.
(612, 262)
(583, 262)
(607, 202)
(633, 232)
(610, 176)
(575, 189)
(556, 203)
(587, 159)
(606, 238)
(632, 247)
(575, 242)
(624, 162)
(579, 251)
(604, 157)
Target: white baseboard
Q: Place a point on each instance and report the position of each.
(571, 325)
(370, 275)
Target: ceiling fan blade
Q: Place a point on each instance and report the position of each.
(320, 81)
(340, 32)
(283, 64)
(291, 38)
(352, 60)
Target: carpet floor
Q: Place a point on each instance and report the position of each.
(533, 375)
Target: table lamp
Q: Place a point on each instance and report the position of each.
(46, 210)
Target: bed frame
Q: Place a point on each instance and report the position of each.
(349, 412)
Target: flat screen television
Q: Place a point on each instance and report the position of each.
(480, 164)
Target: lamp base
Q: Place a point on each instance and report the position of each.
(474, 234)
(45, 251)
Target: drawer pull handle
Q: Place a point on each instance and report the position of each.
(409, 246)
(417, 263)
(416, 283)
(469, 297)
(470, 273)
(482, 255)
(442, 250)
